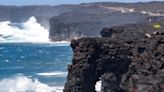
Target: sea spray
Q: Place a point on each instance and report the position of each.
(29, 31)
(22, 83)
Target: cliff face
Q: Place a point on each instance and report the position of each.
(123, 65)
(78, 24)
(88, 19)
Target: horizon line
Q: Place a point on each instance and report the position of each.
(83, 3)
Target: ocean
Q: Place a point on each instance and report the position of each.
(33, 67)
(29, 61)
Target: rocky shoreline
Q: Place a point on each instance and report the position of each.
(67, 22)
(132, 62)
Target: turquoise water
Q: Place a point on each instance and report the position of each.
(31, 63)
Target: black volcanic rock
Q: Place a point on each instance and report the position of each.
(123, 65)
(134, 31)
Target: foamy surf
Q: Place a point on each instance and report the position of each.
(98, 86)
(25, 84)
(29, 31)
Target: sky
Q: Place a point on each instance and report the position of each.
(58, 2)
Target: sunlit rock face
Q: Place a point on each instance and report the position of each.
(123, 65)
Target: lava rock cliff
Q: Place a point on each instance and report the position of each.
(123, 64)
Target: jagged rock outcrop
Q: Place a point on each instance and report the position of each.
(123, 65)
(132, 31)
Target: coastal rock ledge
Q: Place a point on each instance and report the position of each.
(123, 65)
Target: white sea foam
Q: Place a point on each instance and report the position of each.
(98, 86)
(29, 31)
(26, 84)
(56, 74)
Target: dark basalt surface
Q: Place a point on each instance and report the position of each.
(123, 65)
(133, 31)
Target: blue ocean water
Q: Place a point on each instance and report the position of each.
(31, 67)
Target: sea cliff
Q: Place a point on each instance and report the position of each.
(86, 20)
(132, 62)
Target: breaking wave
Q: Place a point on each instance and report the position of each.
(25, 84)
(29, 31)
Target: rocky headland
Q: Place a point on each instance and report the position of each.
(128, 58)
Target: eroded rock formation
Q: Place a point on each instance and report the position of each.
(123, 65)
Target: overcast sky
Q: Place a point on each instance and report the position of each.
(58, 2)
